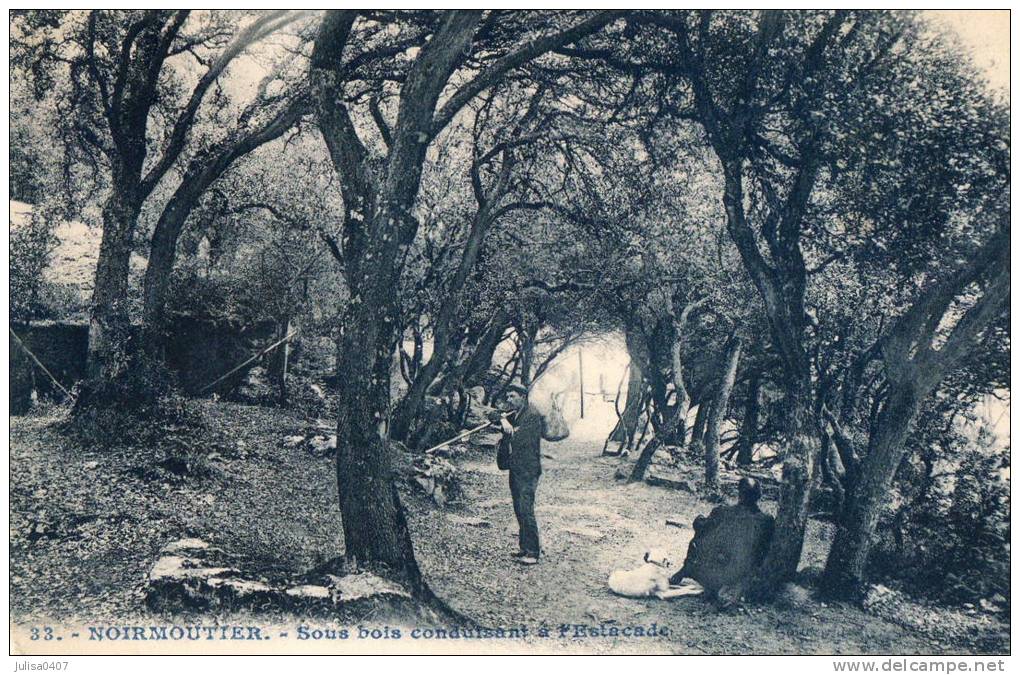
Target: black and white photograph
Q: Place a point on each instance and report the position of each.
(510, 331)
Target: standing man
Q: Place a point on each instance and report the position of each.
(523, 428)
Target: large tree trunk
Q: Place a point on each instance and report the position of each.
(375, 529)
(109, 323)
(408, 407)
(782, 292)
(845, 568)
(127, 108)
(697, 442)
(641, 355)
(749, 428)
(667, 420)
(722, 399)
(784, 553)
(480, 361)
(644, 460)
(162, 254)
(682, 404)
(668, 426)
(626, 427)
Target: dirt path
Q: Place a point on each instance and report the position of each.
(591, 525)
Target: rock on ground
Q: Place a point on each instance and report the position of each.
(192, 575)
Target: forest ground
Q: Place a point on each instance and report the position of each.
(87, 524)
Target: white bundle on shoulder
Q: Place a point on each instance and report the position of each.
(556, 427)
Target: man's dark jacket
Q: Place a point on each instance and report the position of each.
(525, 453)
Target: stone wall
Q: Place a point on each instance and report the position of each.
(61, 347)
(199, 351)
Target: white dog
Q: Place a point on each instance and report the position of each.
(650, 579)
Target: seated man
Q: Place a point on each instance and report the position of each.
(729, 545)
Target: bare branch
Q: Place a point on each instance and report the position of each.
(535, 48)
(100, 81)
(380, 121)
(266, 24)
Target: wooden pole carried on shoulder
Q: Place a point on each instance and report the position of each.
(468, 432)
(464, 434)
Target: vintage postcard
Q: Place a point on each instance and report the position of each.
(510, 332)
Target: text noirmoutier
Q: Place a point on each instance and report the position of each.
(308, 632)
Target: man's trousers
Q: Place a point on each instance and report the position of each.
(522, 489)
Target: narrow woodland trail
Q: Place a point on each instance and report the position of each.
(591, 524)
